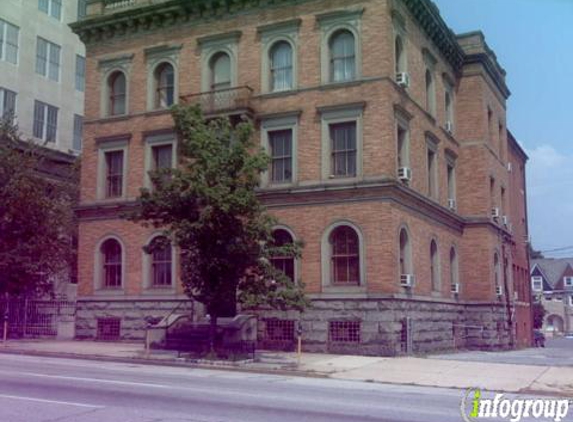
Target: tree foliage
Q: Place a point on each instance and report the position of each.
(37, 224)
(538, 314)
(208, 206)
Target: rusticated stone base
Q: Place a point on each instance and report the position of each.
(134, 315)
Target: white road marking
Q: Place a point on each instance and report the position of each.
(67, 403)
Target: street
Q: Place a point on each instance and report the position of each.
(36, 389)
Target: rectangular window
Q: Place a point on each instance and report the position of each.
(80, 73)
(402, 148)
(432, 174)
(344, 331)
(451, 174)
(7, 104)
(9, 35)
(114, 174)
(343, 149)
(51, 7)
(78, 132)
(48, 59)
(280, 144)
(45, 121)
(162, 157)
(82, 8)
(536, 284)
(568, 281)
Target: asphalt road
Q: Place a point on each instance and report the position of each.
(34, 389)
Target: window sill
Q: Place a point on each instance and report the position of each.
(158, 111)
(159, 291)
(343, 289)
(342, 84)
(278, 94)
(119, 117)
(110, 291)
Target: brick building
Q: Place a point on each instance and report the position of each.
(391, 159)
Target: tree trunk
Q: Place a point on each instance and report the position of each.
(212, 333)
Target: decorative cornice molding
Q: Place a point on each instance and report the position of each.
(290, 25)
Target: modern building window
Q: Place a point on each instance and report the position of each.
(342, 56)
(454, 268)
(9, 35)
(344, 256)
(48, 59)
(80, 73)
(51, 7)
(280, 145)
(343, 149)
(537, 284)
(78, 132)
(281, 66)
(220, 67)
(7, 104)
(430, 93)
(164, 78)
(399, 55)
(161, 263)
(434, 266)
(405, 253)
(117, 88)
(286, 264)
(114, 174)
(82, 9)
(112, 264)
(432, 172)
(45, 121)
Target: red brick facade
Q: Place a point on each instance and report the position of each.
(374, 202)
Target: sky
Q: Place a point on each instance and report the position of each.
(533, 41)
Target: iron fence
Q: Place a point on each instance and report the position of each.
(32, 318)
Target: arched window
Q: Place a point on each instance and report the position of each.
(434, 266)
(344, 256)
(342, 56)
(454, 268)
(496, 270)
(220, 71)
(405, 253)
(281, 66)
(161, 262)
(430, 92)
(286, 264)
(117, 93)
(112, 263)
(449, 111)
(164, 77)
(399, 55)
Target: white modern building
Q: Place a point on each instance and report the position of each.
(42, 70)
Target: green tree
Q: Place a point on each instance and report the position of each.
(538, 314)
(37, 224)
(208, 206)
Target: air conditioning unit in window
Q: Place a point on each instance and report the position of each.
(407, 280)
(509, 167)
(452, 204)
(498, 290)
(495, 212)
(456, 288)
(405, 174)
(449, 126)
(403, 79)
(505, 220)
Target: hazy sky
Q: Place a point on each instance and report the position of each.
(533, 40)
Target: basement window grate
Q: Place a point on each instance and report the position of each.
(344, 331)
(280, 329)
(108, 328)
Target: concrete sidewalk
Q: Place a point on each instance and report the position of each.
(501, 377)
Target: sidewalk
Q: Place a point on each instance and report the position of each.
(453, 373)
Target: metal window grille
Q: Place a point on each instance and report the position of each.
(108, 328)
(279, 330)
(344, 331)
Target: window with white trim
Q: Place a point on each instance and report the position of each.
(45, 121)
(280, 149)
(112, 169)
(432, 169)
(160, 153)
(220, 67)
(434, 266)
(281, 66)
(48, 59)
(7, 104)
(80, 73)
(117, 93)
(78, 132)
(82, 9)
(114, 174)
(9, 35)
(342, 56)
(568, 281)
(536, 284)
(344, 256)
(51, 7)
(161, 255)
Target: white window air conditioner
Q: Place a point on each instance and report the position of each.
(405, 174)
(505, 220)
(452, 204)
(456, 288)
(407, 280)
(498, 290)
(509, 167)
(495, 212)
(403, 79)
(449, 126)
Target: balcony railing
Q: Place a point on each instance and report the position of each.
(223, 101)
(117, 4)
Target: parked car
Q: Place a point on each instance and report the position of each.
(538, 338)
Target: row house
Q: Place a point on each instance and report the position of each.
(390, 159)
